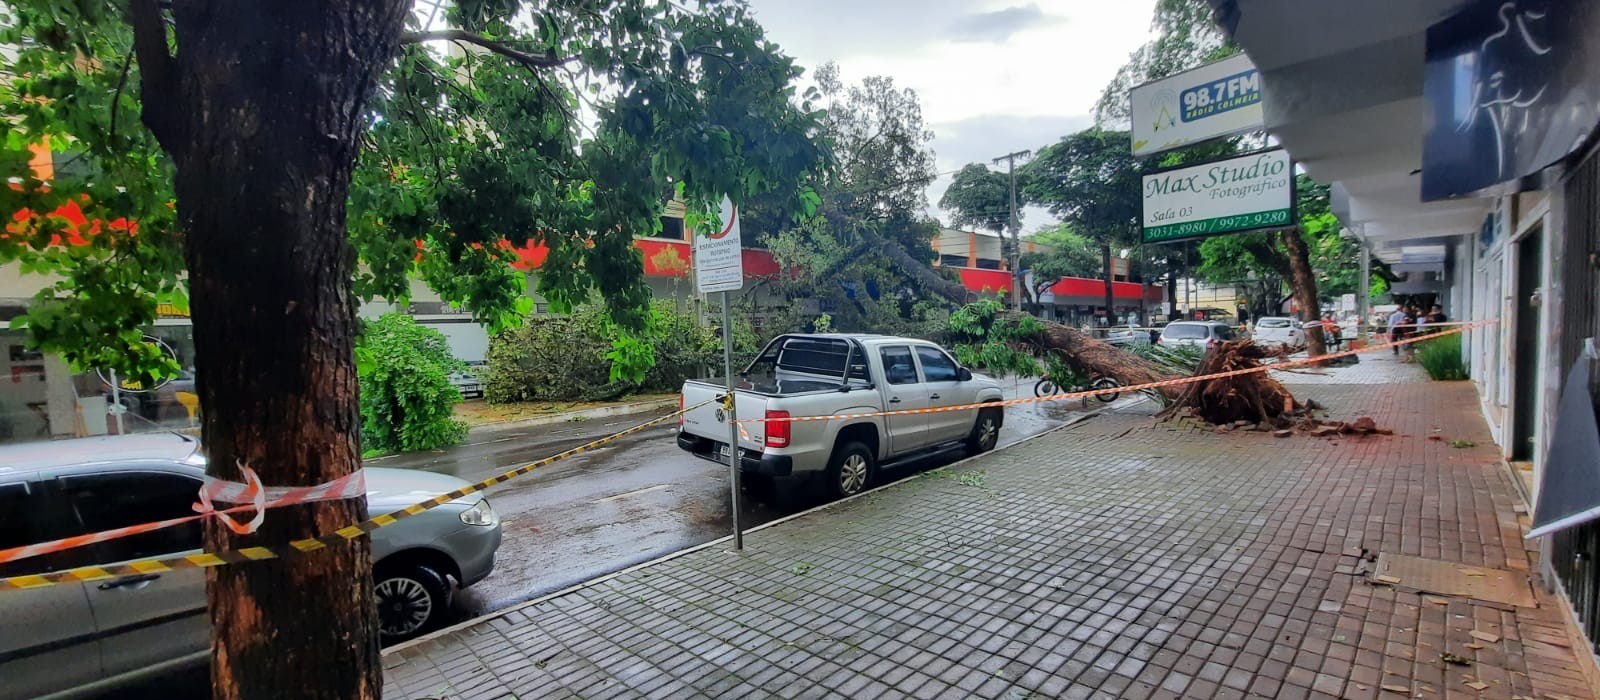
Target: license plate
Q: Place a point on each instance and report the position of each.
(722, 451)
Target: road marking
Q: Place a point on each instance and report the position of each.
(646, 489)
(488, 442)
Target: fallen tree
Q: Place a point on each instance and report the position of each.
(983, 334)
(1254, 399)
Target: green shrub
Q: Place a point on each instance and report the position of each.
(547, 357)
(406, 394)
(583, 357)
(1441, 357)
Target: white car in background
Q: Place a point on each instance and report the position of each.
(1198, 333)
(467, 381)
(1278, 329)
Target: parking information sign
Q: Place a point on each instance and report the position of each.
(718, 262)
(1243, 193)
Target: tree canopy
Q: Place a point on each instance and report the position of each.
(870, 246)
(1091, 180)
(980, 197)
(1186, 36)
(476, 144)
(1067, 255)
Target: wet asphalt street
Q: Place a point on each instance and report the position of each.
(628, 502)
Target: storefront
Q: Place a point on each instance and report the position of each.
(42, 397)
(1467, 130)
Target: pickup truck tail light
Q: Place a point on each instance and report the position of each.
(681, 404)
(778, 430)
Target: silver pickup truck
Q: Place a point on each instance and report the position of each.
(842, 375)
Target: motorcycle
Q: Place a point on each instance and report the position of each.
(1048, 387)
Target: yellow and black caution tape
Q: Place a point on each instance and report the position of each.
(236, 556)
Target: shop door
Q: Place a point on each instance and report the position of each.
(1525, 382)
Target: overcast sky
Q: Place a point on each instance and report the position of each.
(993, 76)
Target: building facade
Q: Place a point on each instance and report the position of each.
(978, 257)
(1459, 140)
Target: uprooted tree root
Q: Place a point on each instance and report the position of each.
(1254, 400)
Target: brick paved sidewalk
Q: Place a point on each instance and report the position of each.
(1119, 558)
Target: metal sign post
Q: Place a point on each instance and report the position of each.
(733, 425)
(719, 267)
(116, 403)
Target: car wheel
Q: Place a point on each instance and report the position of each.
(410, 600)
(851, 470)
(985, 432)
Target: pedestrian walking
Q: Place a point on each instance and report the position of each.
(1409, 324)
(1436, 315)
(1396, 319)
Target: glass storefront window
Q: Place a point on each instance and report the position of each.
(41, 398)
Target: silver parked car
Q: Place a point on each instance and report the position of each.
(74, 638)
(1201, 333)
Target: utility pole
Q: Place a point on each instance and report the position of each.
(1016, 236)
(1363, 292)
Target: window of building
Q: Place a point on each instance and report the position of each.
(953, 260)
(988, 263)
(671, 227)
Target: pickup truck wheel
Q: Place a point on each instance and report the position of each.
(851, 469)
(985, 432)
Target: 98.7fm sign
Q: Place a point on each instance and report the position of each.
(1242, 193)
(1212, 101)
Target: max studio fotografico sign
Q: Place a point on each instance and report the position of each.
(1227, 196)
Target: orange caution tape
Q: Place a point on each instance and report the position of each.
(246, 554)
(1135, 387)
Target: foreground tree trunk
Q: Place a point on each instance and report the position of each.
(1303, 282)
(261, 106)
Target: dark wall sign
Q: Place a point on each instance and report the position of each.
(1512, 86)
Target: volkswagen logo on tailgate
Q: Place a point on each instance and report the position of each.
(722, 417)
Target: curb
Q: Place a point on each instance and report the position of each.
(403, 646)
(581, 414)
